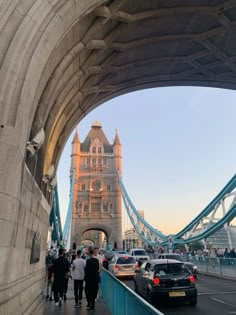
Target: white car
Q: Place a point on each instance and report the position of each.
(139, 254)
(123, 266)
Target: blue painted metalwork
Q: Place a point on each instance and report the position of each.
(67, 225)
(203, 226)
(226, 190)
(146, 232)
(121, 300)
(55, 218)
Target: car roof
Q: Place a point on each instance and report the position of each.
(165, 261)
(166, 254)
(122, 255)
(138, 249)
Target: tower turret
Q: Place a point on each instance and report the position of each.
(75, 154)
(117, 153)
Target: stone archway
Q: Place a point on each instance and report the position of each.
(59, 60)
(93, 227)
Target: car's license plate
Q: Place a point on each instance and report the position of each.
(179, 293)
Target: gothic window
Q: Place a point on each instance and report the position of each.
(87, 161)
(110, 205)
(105, 161)
(85, 208)
(94, 150)
(83, 187)
(108, 187)
(99, 161)
(99, 150)
(97, 185)
(94, 161)
(95, 206)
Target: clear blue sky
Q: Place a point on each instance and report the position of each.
(178, 149)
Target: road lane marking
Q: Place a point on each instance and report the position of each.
(217, 293)
(220, 301)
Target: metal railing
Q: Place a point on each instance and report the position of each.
(218, 266)
(121, 300)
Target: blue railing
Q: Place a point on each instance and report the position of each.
(121, 300)
(217, 266)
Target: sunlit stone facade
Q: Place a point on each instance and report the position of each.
(97, 197)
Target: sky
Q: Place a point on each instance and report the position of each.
(178, 150)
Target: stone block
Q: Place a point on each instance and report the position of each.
(4, 263)
(8, 208)
(26, 196)
(21, 234)
(16, 264)
(7, 233)
(10, 170)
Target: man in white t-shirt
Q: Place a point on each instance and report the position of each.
(98, 257)
(78, 267)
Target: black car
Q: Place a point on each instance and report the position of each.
(162, 280)
(179, 257)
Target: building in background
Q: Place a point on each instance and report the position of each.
(96, 195)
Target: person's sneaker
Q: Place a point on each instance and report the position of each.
(60, 302)
(76, 305)
(50, 299)
(57, 303)
(88, 307)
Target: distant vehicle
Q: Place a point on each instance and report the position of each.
(179, 257)
(139, 254)
(119, 252)
(123, 266)
(162, 280)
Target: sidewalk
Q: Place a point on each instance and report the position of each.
(69, 309)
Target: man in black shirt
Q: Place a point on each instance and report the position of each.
(91, 280)
(60, 269)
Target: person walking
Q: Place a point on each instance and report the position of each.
(78, 272)
(60, 269)
(91, 280)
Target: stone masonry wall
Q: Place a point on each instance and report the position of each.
(22, 283)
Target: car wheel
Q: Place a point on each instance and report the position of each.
(149, 297)
(193, 301)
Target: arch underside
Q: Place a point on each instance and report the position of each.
(79, 56)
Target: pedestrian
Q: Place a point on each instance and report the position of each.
(67, 276)
(100, 260)
(60, 269)
(49, 282)
(91, 280)
(78, 272)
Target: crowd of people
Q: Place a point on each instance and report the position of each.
(84, 267)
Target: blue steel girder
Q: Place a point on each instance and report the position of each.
(146, 232)
(67, 225)
(220, 212)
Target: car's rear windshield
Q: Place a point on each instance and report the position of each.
(168, 269)
(125, 260)
(176, 257)
(140, 253)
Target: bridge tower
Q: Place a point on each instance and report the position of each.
(96, 196)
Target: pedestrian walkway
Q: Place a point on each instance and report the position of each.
(69, 309)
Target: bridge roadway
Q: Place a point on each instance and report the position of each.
(215, 296)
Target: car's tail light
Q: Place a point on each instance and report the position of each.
(136, 266)
(191, 279)
(116, 267)
(156, 281)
